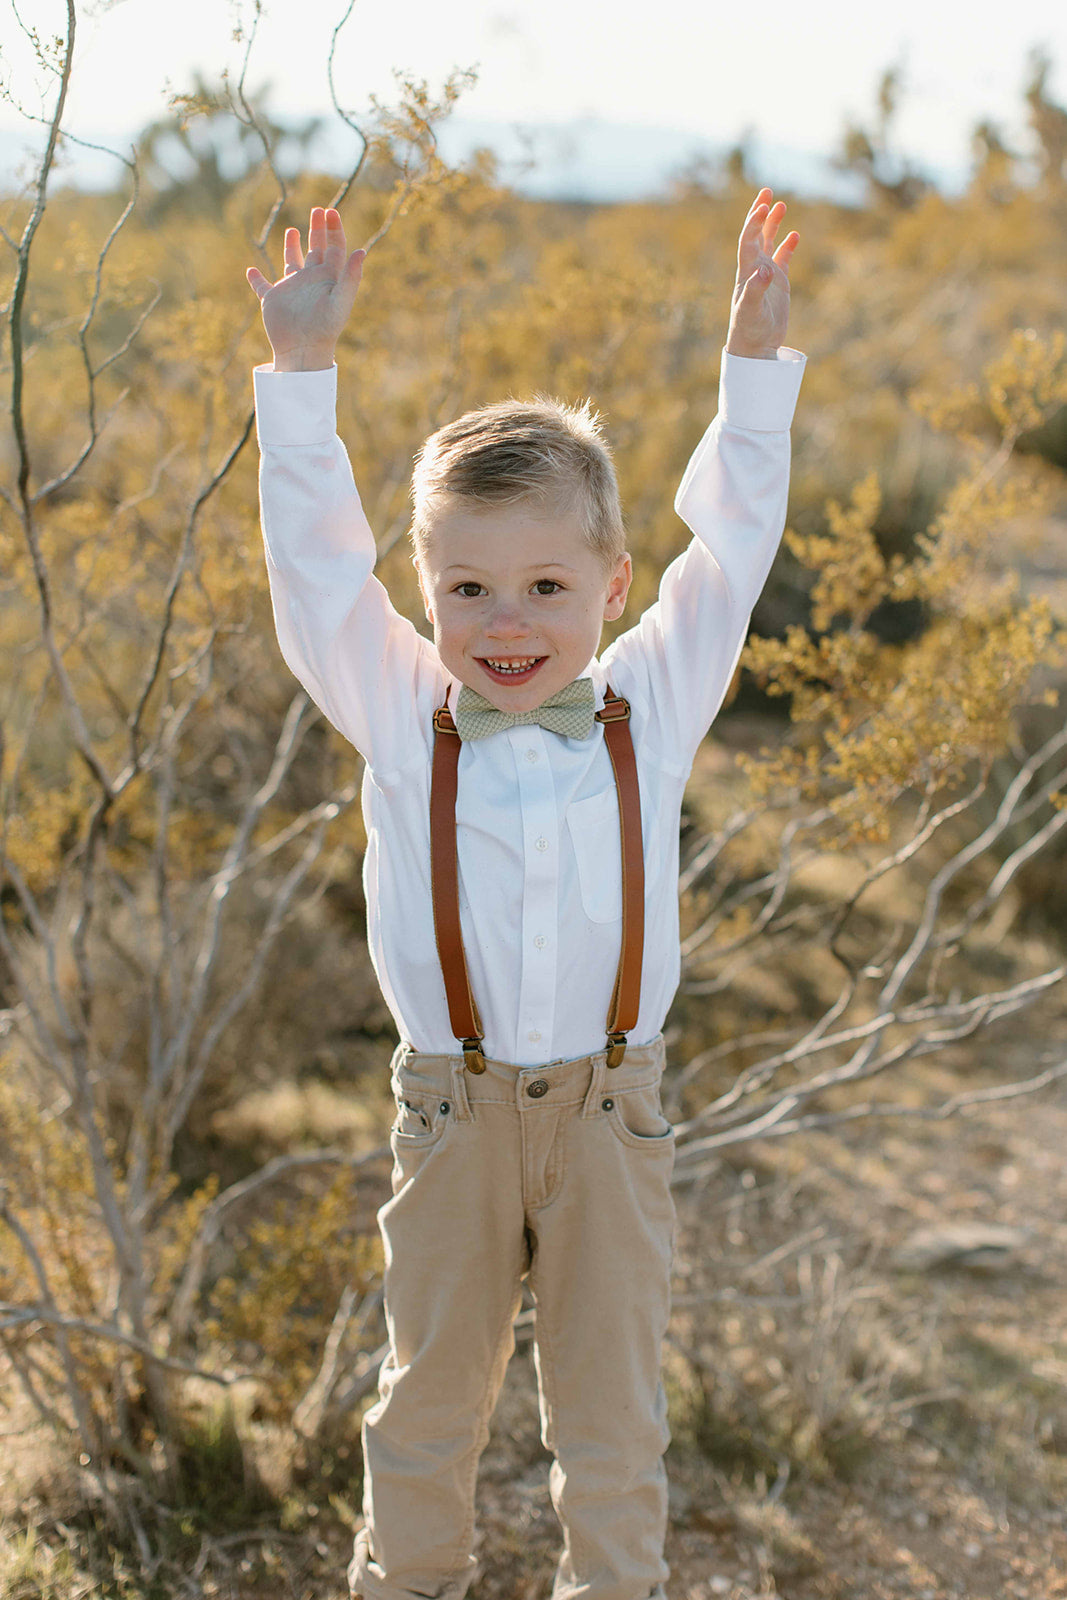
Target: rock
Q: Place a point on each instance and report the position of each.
(979, 1246)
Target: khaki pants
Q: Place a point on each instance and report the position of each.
(563, 1173)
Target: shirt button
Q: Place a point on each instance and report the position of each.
(542, 843)
(540, 942)
(531, 755)
(533, 1035)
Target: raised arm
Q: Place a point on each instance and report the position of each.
(679, 658)
(363, 664)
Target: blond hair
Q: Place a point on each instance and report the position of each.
(542, 450)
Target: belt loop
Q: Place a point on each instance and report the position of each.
(591, 1104)
(459, 1092)
(399, 1056)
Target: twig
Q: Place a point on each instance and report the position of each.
(14, 1316)
(778, 1125)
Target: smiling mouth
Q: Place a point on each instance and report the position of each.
(511, 669)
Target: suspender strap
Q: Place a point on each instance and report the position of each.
(444, 872)
(444, 875)
(626, 996)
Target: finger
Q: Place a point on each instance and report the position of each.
(748, 299)
(764, 197)
(772, 224)
(753, 225)
(354, 268)
(293, 255)
(784, 253)
(755, 285)
(750, 242)
(336, 253)
(259, 283)
(316, 238)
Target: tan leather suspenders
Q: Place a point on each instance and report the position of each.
(626, 996)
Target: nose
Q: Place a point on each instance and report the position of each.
(507, 621)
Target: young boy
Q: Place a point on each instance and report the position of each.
(526, 935)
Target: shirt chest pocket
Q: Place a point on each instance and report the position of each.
(593, 825)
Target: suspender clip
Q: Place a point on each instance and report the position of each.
(473, 1055)
(442, 720)
(614, 710)
(616, 1049)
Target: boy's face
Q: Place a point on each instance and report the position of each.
(517, 599)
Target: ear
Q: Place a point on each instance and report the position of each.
(423, 590)
(618, 589)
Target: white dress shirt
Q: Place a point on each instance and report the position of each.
(537, 816)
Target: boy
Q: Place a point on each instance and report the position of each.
(526, 934)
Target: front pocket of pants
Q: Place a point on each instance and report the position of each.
(418, 1135)
(636, 1118)
(421, 1117)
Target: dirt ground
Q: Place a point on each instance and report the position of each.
(850, 1424)
(955, 1488)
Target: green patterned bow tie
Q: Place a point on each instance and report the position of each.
(569, 712)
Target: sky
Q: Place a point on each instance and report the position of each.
(707, 73)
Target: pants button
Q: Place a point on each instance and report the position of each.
(536, 1089)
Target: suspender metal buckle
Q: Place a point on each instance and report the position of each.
(473, 1055)
(615, 710)
(443, 721)
(616, 1049)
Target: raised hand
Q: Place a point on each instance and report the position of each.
(305, 311)
(759, 313)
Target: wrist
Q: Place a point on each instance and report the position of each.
(751, 352)
(305, 358)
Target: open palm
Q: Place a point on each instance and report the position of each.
(305, 311)
(759, 313)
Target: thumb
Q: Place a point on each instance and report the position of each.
(258, 282)
(754, 287)
(354, 268)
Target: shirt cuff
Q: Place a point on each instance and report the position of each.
(295, 408)
(760, 395)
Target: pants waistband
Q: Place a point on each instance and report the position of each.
(580, 1079)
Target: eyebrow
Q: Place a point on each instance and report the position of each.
(542, 566)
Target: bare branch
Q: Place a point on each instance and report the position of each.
(15, 1316)
(341, 194)
(777, 881)
(79, 1406)
(780, 1127)
(964, 1019)
(244, 991)
(289, 739)
(27, 1372)
(250, 120)
(82, 737)
(311, 1409)
(173, 586)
